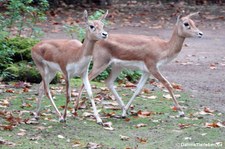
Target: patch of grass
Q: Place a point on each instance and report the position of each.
(164, 129)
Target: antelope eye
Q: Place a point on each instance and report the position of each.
(91, 27)
(186, 24)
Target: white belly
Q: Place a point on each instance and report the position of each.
(135, 65)
(73, 69)
(77, 68)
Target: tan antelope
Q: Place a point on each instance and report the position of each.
(143, 53)
(69, 57)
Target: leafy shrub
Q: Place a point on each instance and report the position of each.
(19, 47)
(14, 50)
(21, 16)
(24, 71)
(16, 62)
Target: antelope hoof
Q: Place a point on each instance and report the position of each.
(123, 117)
(100, 123)
(36, 118)
(181, 114)
(62, 120)
(124, 114)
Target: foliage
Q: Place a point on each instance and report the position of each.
(130, 75)
(22, 16)
(16, 62)
(14, 50)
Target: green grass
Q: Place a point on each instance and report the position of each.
(163, 129)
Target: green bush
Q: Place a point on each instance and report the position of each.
(24, 71)
(16, 62)
(12, 51)
(21, 17)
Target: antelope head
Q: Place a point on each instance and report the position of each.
(186, 26)
(94, 28)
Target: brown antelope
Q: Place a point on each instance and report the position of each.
(69, 57)
(141, 52)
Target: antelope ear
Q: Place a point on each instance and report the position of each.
(193, 14)
(103, 16)
(86, 17)
(179, 18)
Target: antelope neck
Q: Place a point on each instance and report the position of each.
(88, 47)
(175, 43)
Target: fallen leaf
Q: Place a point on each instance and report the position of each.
(27, 105)
(187, 138)
(129, 84)
(6, 127)
(142, 140)
(61, 137)
(4, 142)
(146, 91)
(212, 66)
(74, 94)
(124, 138)
(87, 114)
(22, 133)
(4, 103)
(35, 138)
(9, 91)
(167, 96)
(144, 114)
(152, 97)
(76, 143)
(182, 126)
(40, 128)
(92, 145)
(104, 89)
(108, 126)
(177, 86)
(214, 125)
(140, 125)
(174, 108)
(112, 105)
(208, 110)
(127, 119)
(19, 84)
(25, 89)
(32, 122)
(110, 114)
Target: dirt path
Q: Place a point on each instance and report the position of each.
(200, 67)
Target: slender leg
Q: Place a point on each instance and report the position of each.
(88, 88)
(110, 83)
(76, 105)
(46, 80)
(155, 72)
(140, 85)
(68, 98)
(96, 70)
(40, 96)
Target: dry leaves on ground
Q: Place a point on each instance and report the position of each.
(124, 138)
(92, 145)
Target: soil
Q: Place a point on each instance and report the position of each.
(200, 66)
